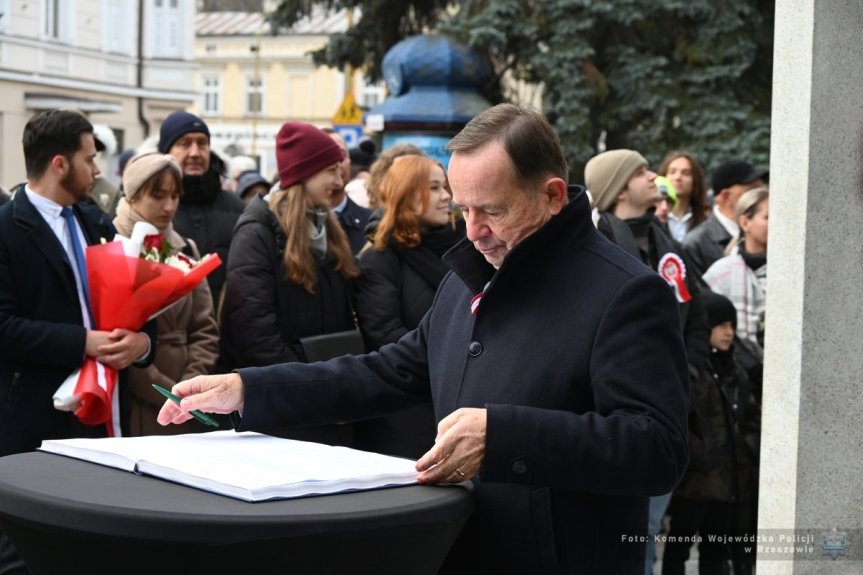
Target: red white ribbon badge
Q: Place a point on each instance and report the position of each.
(474, 302)
(673, 270)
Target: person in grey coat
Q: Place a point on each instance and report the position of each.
(554, 361)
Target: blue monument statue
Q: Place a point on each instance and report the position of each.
(432, 83)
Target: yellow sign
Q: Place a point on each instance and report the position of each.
(348, 113)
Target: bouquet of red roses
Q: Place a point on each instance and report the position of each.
(131, 280)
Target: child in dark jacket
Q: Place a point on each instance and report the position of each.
(716, 498)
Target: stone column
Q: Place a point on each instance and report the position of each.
(812, 439)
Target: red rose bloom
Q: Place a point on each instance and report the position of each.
(153, 242)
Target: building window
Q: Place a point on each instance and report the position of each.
(58, 20)
(371, 95)
(116, 25)
(211, 95)
(166, 29)
(254, 96)
(4, 14)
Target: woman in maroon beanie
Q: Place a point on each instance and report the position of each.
(290, 264)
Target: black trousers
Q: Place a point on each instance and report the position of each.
(692, 518)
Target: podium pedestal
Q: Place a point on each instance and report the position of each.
(66, 514)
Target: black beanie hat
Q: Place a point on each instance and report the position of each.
(177, 125)
(364, 155)
(719, 309)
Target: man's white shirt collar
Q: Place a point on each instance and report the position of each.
(48, 208)
(342, 205)
(730, 226)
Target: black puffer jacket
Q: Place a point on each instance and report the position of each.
(264, 313)
(397, 285)
(208, 215)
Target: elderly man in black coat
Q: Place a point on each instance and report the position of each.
(554, 361)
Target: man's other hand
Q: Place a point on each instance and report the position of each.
(459, 448)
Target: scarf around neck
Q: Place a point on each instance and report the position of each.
(318, 232)
(201, 190)
(753, 261)
(127, 217)
(425, 259)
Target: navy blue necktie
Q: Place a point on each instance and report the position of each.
(72, 225)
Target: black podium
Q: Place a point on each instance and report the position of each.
(66, 515)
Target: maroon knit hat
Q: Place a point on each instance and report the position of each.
(303, 150)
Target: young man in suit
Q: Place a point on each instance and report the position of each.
(45, 326)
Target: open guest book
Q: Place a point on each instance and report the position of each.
(246, 465)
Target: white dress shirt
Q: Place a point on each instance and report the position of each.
(50, 212)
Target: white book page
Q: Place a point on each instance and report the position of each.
(245, 465)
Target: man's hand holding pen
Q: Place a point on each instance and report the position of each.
(207, 393)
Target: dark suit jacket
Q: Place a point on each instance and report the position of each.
(576, 352)
(354, 219)
(42, 336)
(706, 244)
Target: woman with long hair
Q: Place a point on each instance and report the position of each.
(401, 272)
(687, 176)
(188, 338)
(290, 264)
(290, 267)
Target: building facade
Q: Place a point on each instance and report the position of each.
(126, 64)
(251, 81)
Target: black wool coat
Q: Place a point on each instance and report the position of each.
(577, 355)
(42, 333)
(264, 314)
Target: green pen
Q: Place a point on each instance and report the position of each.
(199, 415)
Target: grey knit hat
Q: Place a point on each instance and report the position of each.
(607, 174)
(140, 168)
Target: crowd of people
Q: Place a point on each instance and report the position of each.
(544, 351)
